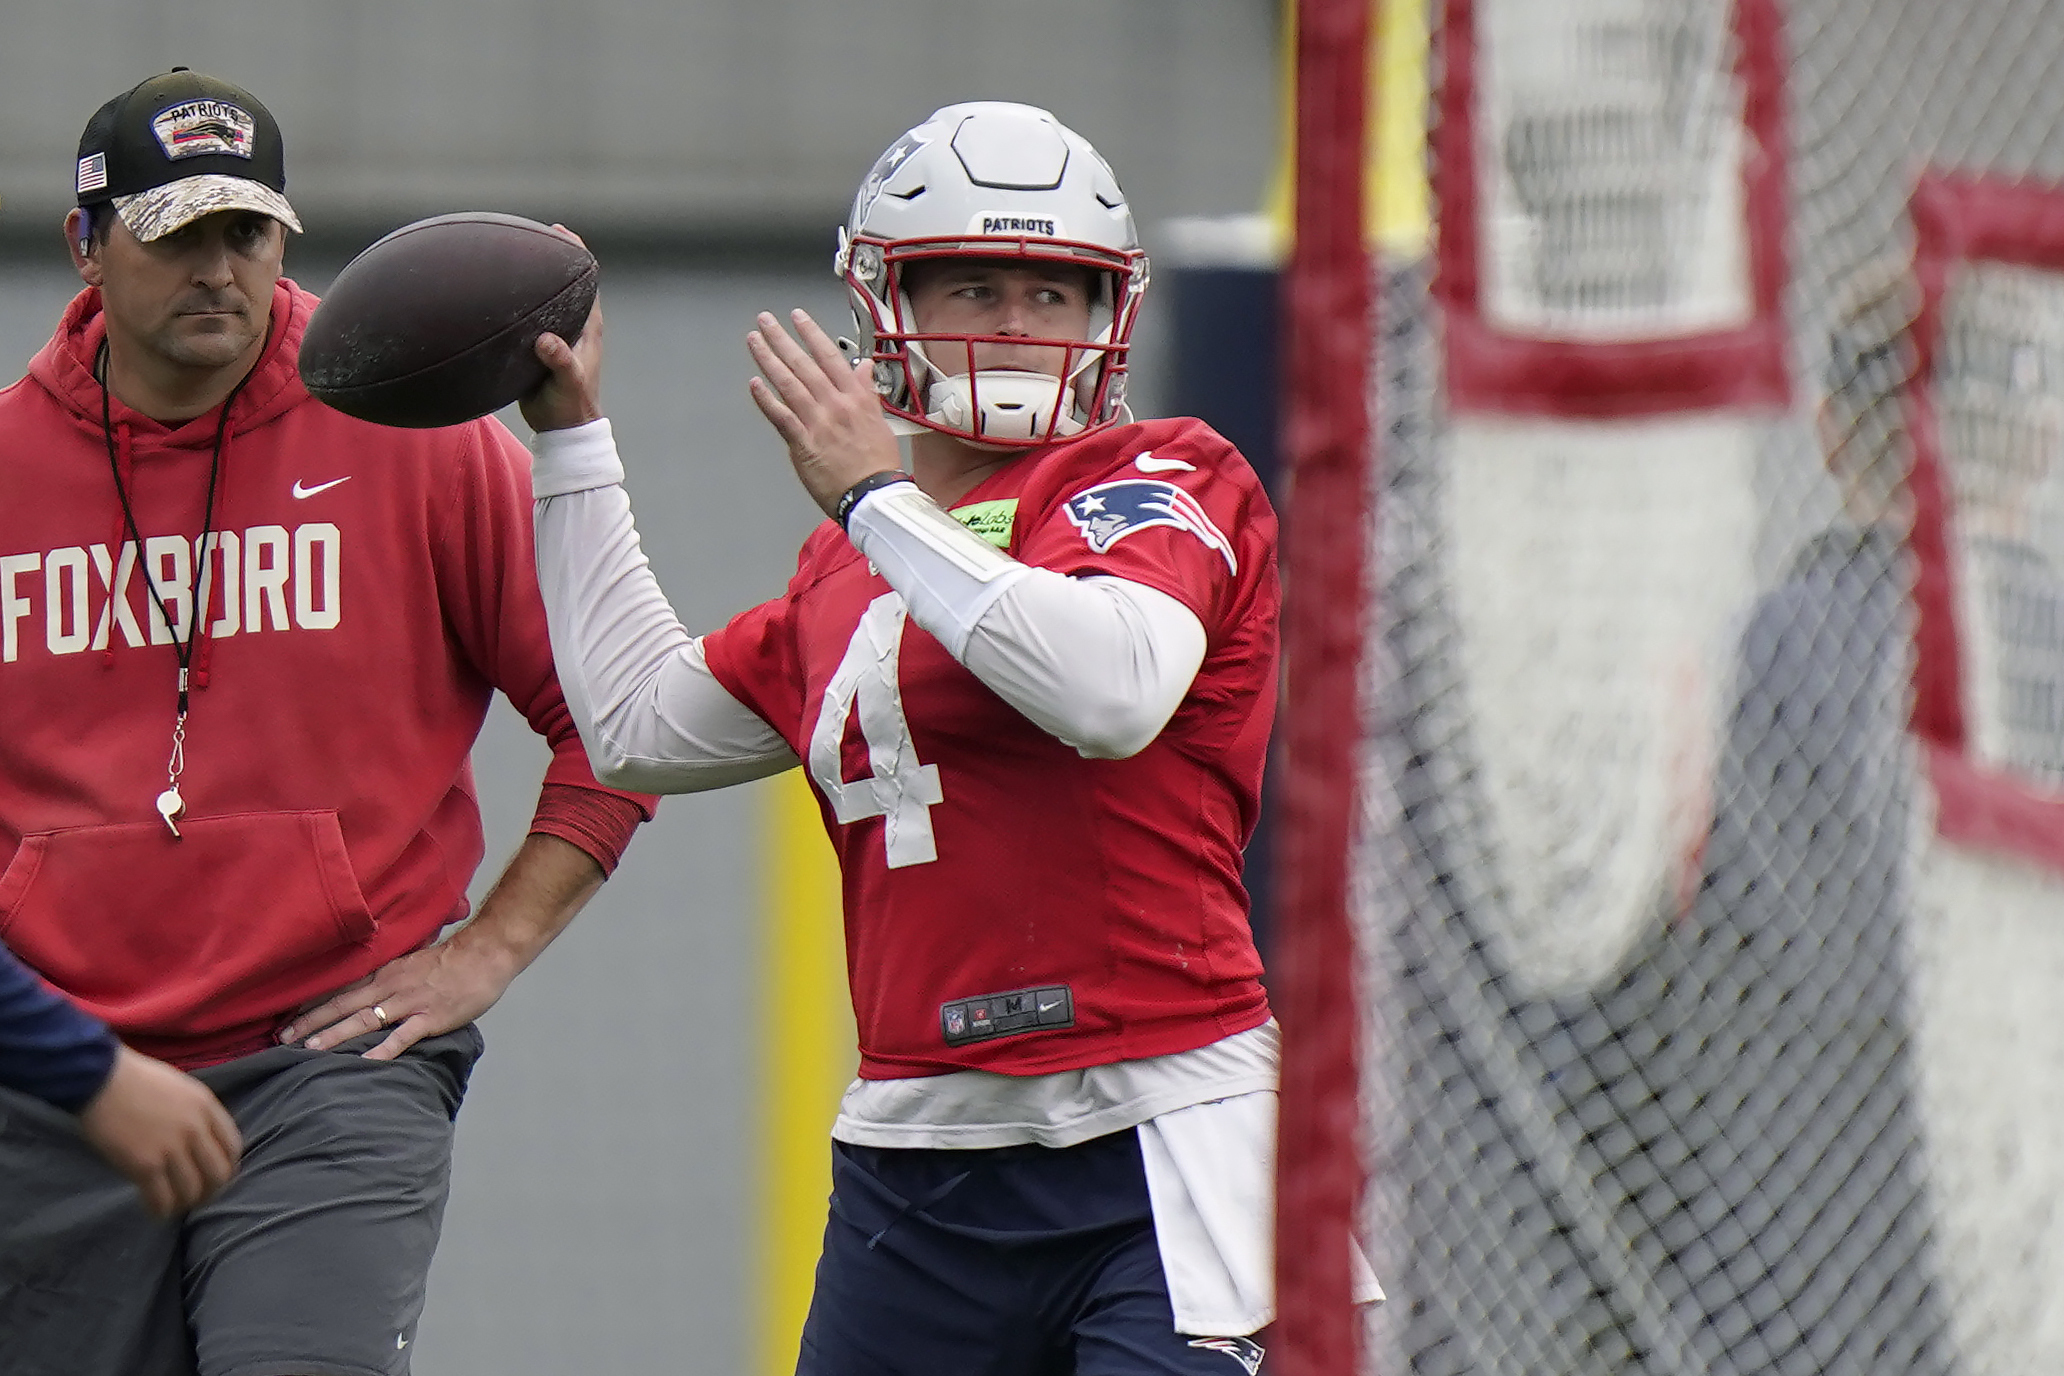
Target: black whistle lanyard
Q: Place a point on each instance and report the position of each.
(171, 806)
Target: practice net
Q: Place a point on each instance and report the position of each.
(1710, 883)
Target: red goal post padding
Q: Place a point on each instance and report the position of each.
(1326, 432)
(1494, 369)
(1965, 219)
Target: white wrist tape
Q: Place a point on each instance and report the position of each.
(948, 575)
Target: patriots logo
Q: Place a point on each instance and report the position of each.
(1245, 1351)
(204, 127)
(1108, 512)
(899, 152)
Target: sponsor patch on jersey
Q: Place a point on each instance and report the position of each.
(202, 128)
(92, 173)
(998, 222)
(1108, 512)
(990, 520)
(1046, 1008)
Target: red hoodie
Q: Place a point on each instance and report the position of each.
(369, 589)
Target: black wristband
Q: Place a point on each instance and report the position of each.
(850, 498)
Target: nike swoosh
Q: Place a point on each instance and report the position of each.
(304, 493)
(1147, 463)
(1048, 1007)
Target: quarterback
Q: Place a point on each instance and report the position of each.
(1030, 677)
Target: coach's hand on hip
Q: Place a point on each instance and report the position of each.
(421, 994)
(825, 408)
(443, 987)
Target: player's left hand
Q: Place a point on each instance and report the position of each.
(422, 994)
(825, 408)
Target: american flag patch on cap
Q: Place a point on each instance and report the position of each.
(92, 173)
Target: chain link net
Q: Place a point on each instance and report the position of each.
(1692, 1046)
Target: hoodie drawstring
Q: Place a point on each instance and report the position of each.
(208, 549)
(125, 471)
(171, 806)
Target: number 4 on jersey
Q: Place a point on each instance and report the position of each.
(899, 788)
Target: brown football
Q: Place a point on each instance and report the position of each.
(437, 323)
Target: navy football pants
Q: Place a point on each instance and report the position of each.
(1011, 1261)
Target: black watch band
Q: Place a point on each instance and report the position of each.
(850, 498)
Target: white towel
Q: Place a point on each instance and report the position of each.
(1211, 1174)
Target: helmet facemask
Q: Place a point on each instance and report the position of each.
(928, 379)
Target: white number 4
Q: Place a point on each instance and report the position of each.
(898, 788)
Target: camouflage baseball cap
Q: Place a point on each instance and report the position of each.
(180, 146)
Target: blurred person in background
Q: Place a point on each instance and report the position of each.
(1793, 964)
(1031, 678)
(246, 645)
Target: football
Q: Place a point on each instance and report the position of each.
(437, 323)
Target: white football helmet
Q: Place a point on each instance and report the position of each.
(993, 180)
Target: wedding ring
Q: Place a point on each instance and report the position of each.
(381, 1014)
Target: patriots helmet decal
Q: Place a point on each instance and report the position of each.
(1108, 512)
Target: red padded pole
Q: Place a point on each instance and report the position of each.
(1330, 326)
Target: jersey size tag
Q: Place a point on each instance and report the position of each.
(1041, 1009)
(990, 520)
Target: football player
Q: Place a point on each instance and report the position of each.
(1030, 675)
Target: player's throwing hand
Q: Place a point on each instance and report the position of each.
(572, 395)
(825, 409)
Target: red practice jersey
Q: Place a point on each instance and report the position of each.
(1009, 905)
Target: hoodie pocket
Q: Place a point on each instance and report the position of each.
(185, 936)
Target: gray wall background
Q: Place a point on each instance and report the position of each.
(601, 1212)
(730, 118)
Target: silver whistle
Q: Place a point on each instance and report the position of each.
(171, 807)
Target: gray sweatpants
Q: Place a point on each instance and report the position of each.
(311, 1263)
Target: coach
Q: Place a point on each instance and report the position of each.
(246, 644)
